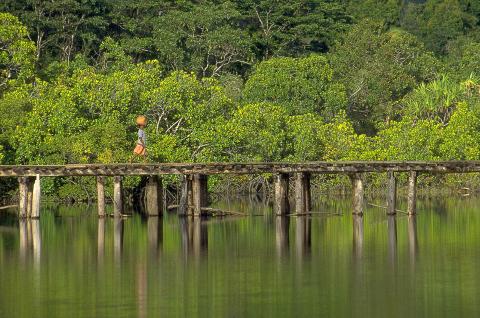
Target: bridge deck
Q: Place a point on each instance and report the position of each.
(238, 168)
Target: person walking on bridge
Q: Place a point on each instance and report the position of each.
(141, 145)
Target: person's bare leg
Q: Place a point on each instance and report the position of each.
(131, 158)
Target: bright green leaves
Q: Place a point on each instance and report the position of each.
(305, 131)
(430, 138)
(257, 132)
(186, 113)
(462, 135)
(17, 54)
(434, 100)
(409, 139)
(87, 117)
(300, 85)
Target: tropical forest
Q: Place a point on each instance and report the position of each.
(237, 81)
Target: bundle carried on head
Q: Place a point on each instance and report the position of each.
(141, 120)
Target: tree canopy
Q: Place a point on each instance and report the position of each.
(238, 80)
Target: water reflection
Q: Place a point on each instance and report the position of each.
(246, 273)
(155, 234)
(392, 238)
(118, 237)
(194, 233)
(303, 235)
(36, 241)
(23, 232)
(30, 240)
(100, 239)
(141, 289)
(357, 236)
(412, 238)
(282, 239)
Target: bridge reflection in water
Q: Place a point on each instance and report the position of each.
(194, 237)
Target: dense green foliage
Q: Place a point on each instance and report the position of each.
(239, 80)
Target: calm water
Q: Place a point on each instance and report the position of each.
(70, 264)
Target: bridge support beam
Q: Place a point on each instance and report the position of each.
(117, 196)
(281, 204)
(101, 196)
(303, 198)
(36, 198)
(22, 197)
(199, 193)
(153, 193)
(392, 193)
(358, 195)
(412, 193)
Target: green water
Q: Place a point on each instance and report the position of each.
(71, 264)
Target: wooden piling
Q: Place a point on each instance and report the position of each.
(101, 196)
(153, 192)
(30, 183)
(117, 196)
(199, 193)
(303, 201)
(36, 198)
(358, 195)
(186, 195)
(281, 204)
(22, 197)
(392, 193)
(412, 193)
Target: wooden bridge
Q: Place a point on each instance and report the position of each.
(195, 193)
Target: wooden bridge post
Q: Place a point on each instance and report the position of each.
(303, 201)
(186, 195)
(357, 183)
(281, 204)
(199, 193)
(22, 197)
(30, 183)
(101, 196)
(392, 193)
(412, 193)
(117, 196)
(153, 192)
(36, 197)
